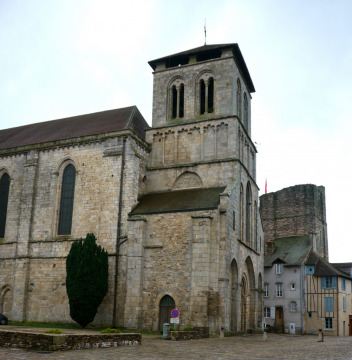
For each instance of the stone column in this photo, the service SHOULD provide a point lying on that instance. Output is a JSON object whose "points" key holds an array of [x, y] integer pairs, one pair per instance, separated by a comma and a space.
{"points": [[135, 265], [26, 209], [201, 235]]}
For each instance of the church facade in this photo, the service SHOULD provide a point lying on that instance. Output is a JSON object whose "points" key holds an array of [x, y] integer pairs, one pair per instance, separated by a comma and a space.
{"points": [[175, 204]]}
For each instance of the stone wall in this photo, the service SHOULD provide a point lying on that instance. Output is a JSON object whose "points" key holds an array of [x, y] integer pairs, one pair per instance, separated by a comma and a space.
{"points": [[297, 210]]}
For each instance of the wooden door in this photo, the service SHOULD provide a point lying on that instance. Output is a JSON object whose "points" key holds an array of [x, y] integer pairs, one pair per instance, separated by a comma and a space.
{"points": [[350, 326], [279, 317], [167, 304]]}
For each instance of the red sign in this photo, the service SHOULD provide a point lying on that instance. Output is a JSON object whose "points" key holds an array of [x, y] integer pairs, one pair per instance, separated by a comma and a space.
{"points": [[175, 313]]}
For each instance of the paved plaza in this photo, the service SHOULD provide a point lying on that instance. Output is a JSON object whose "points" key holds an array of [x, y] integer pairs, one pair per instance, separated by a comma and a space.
{"points": [[239, 347]]}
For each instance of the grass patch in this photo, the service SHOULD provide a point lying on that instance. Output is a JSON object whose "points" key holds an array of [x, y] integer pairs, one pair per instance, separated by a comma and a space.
{"points": [[53, 331], [188, 328]]}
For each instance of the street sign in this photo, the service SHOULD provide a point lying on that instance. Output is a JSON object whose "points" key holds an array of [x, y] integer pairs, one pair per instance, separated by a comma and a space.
{"points": [[175, 320], [175, 313]]}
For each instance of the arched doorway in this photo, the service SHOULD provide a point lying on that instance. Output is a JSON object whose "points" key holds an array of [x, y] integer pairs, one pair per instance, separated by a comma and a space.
{"points": [[167, 303], [244, 292]]}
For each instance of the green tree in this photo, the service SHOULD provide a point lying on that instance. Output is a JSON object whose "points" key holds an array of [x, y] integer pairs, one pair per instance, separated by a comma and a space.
{"points": [[86, 279]]}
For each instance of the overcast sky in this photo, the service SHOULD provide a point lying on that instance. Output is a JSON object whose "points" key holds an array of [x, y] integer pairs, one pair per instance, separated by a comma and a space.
{"points": [[61, 58]]}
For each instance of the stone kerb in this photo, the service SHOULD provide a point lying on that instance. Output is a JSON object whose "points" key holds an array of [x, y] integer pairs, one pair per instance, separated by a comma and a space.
{"points": [[52, 342]]}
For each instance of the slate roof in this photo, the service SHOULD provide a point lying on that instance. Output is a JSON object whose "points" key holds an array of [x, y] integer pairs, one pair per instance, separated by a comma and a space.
{"points": [[207, 50], [76, 126], [290, 250], [178, 201], [323, 267]]}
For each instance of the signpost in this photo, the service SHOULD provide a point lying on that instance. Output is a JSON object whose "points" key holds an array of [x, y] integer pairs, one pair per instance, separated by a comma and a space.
{"points": [[175, 316]]}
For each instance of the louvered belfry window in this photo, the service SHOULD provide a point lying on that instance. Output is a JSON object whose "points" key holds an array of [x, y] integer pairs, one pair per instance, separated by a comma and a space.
{"points": [[4, 197], [66, 202]]}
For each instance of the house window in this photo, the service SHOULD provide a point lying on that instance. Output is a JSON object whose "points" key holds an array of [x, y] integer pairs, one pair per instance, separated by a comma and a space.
{"points": [[4, 197], [293, 286], [329, 304], [344, 304], [328, 282], [278, 268], [310, 314], [293, 306], [278, 289], [328, 323], [267, 312], [66, 202], [343, 284], [266, 290]]}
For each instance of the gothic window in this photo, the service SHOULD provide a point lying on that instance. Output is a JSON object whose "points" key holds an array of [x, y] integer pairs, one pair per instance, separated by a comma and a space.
{"points": [[255, 226], [248, 212], [66, 202], [177, 100], [245, 111], [4, 196], [239, 99], [241, 212], [206, 96]]}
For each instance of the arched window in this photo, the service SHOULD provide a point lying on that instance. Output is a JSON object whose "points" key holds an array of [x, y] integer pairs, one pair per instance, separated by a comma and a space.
{"points": [[206, 96], [177, 100], [245, 111], [239, 99], [66, 202], [248, 212], [4, 197]]}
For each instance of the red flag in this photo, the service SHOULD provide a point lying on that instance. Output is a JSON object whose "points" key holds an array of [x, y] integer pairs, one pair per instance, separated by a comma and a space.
{"points": [[266, 187]]}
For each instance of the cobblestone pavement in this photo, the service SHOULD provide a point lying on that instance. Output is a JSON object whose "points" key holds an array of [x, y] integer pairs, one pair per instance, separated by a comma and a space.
{"points": [[240, 347]]}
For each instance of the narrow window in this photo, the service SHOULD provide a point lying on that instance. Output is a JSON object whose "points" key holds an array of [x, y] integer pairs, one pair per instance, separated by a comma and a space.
{"points": [[211, 95], [278, 290], [344, 304], [267, 312], [239, 99], [66, 202], [248, 213], [343, 284], [182, 101], [310, 314], [202, 97], [328, 323], [278, 268], [241, 212], [266, 290], [174, 102], [245, 111], [233, 220], [4, 197], [293, 306]]}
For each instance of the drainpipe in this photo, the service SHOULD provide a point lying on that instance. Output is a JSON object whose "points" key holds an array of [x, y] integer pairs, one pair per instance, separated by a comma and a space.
{"points": [[118, 236]]}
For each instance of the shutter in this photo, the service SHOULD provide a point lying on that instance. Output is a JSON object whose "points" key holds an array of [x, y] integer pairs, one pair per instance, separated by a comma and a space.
{"points": [[272, 312], [333, 282], [344, 304], [323, 282]]}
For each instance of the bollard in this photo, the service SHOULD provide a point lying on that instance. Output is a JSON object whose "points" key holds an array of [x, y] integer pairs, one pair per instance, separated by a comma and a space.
{"points": [[320, 335], [166, 329], [222, 332], [265, 335]]}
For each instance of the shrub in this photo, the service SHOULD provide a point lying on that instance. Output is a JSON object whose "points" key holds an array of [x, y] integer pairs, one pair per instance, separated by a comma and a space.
{"points": [[188, 328], [110, 331], [86, 279]]}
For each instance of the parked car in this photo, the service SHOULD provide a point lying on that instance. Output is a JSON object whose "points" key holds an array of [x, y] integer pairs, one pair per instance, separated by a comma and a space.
{"points": [[3, 319]]}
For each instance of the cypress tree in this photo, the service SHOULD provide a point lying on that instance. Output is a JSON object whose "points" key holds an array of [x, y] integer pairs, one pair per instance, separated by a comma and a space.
{"points": [[86, 279]]}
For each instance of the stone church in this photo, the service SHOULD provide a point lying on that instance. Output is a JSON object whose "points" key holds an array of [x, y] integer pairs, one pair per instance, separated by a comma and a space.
{"points": [[175, 204]]}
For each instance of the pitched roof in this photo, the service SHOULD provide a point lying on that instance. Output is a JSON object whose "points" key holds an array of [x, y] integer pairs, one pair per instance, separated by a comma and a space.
{"points": [[323, 267], [76, 126], [207, 52], [178, 200], [290, 250]]}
